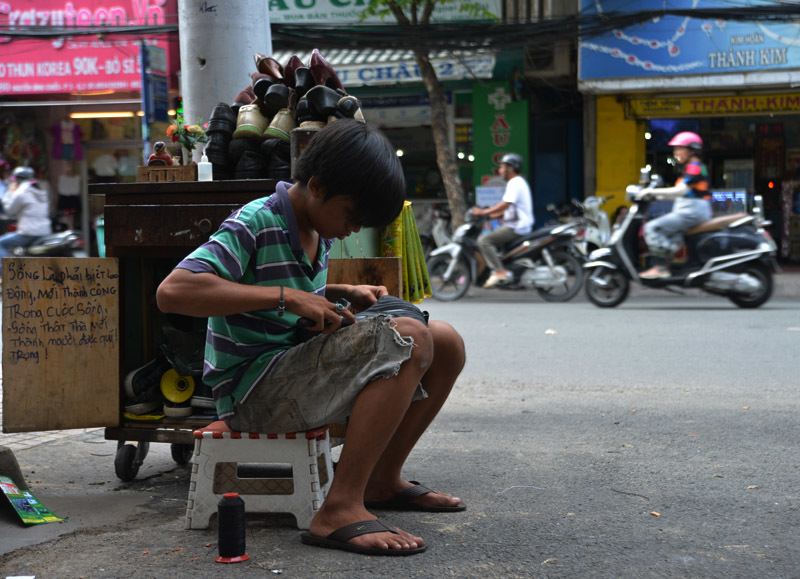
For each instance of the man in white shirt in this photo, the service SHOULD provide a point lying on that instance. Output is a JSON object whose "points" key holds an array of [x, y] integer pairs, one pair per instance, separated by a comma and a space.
{"points": [[516, 209]]}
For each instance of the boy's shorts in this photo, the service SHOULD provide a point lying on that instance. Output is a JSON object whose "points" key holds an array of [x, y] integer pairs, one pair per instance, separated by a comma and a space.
{"points": [[318, 381]]}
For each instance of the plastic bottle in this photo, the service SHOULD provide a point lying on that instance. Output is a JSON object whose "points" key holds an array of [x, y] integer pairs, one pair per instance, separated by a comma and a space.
{"points": [[204, 169]]}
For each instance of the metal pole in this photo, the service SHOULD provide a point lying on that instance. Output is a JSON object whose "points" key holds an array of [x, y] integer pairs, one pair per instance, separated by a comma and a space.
{"points": [[217, 43]]}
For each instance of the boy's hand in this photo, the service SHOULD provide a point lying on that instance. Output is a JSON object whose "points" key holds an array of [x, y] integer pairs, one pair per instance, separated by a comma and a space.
{"points": [[325, 315], [364, 296]]}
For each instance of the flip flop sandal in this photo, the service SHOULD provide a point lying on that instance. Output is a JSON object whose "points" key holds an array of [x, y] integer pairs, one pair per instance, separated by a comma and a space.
{"points": [[338, 539], [402, 501]]}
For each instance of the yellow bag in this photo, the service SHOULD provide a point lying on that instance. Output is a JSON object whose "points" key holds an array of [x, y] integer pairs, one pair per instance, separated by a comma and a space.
{"points": [[401, 239]]}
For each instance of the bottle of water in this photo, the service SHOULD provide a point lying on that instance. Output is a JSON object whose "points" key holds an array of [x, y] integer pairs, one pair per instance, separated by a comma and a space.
{"points": [[204, 169]]}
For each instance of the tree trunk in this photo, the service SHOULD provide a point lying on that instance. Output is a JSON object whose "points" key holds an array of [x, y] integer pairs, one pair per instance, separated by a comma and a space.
{"points": [[445, 159]]}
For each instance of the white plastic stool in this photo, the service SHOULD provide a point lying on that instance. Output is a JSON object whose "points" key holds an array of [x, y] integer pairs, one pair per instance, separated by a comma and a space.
{"points": [[217, 467]]}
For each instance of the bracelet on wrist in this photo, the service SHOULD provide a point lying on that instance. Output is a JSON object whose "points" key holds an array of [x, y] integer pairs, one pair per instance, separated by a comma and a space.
{"points": [[281, 305]]}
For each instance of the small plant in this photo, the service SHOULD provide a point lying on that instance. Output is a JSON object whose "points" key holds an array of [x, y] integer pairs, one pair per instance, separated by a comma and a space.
{"points": [[189, 136]]}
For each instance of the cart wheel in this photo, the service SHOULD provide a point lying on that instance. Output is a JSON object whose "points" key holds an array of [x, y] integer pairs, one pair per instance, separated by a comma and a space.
{"points": [[181, 453], [128, 460]]}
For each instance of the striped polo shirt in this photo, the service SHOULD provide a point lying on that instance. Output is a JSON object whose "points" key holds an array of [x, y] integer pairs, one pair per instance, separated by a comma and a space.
{"points": [[259, 244]]}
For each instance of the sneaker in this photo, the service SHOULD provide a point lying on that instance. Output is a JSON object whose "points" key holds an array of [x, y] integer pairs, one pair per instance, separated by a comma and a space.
{"points": [[143, 379], [250, 123], [177, 409], [202, 396], [656, 272], [143, 387]]}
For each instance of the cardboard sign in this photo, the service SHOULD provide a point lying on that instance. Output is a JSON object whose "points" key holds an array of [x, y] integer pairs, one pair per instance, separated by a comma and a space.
{"points": [[60, 343]]}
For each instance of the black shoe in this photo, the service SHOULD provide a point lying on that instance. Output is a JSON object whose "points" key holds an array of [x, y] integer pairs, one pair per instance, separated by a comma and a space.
{"points": [[261, 86], [276, 98], [220, 126], [218, 159], [272, 145], [237, 147], [323, 101], [223, 112], [252, 165], [303, 111], [279, 169], [218, 143], [303, 80]]}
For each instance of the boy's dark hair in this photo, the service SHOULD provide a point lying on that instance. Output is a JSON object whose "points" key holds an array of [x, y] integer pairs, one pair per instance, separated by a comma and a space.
{"points": [[352, 158]]}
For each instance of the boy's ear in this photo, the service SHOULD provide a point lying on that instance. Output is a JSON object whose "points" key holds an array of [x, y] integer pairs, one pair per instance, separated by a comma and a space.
{"points": [[316, 188]]}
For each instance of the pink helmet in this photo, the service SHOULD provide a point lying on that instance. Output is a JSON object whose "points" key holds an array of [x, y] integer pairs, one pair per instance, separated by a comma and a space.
{"points": [[687, 139]]}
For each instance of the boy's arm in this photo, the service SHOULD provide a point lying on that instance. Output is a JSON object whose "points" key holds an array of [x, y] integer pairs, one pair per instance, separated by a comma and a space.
{"points": [[205, 295]]}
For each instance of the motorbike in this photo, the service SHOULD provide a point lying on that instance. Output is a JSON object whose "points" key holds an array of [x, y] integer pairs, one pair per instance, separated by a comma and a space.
{"points": [[61, 244], [440, 231], [544, 260], [595, 229], [730, 255], [596, 226]]}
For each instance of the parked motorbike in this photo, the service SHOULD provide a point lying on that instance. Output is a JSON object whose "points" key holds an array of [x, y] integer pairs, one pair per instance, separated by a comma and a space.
{"points": [[730, 255], [440, 231], [61, 244], [543, 261], [595, 229]]}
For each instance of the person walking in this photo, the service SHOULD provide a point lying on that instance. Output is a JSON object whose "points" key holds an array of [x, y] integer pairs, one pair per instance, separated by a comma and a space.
{"points": [[516, 209]]}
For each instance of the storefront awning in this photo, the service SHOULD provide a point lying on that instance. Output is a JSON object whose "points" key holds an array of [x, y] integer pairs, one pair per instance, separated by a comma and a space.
{"points": [[367, 67]]}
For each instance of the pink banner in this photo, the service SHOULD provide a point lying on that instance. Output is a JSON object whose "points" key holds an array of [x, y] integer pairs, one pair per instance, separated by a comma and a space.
{"points": [[78, 63]]}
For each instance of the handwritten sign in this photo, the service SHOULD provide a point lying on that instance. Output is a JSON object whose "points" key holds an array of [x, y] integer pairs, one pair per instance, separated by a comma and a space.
{"points": [[60, 343]]}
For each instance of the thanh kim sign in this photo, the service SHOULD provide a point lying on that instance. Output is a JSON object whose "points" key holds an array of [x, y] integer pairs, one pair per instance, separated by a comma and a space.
{"points": [[678, 45]]}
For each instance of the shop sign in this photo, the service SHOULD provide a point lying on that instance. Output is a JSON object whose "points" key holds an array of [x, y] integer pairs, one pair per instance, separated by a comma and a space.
{"points": [[407, 71], [714, 106], [677, 45], [400, 111], [76, 63], [499, 126], [328, 11]]}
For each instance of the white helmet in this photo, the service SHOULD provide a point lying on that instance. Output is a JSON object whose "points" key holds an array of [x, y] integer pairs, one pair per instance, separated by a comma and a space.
{"points": [[23, 174], [512, 159]]}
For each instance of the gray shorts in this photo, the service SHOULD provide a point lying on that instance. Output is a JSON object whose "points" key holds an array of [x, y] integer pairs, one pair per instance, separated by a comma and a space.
{"points": [[318, 381]]}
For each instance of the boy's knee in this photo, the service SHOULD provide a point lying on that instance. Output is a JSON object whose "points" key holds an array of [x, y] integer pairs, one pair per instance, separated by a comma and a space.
{"points": [[422, 352], [448, 343]]}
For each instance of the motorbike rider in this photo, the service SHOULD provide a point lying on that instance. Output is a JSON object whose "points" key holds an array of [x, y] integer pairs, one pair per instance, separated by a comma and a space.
{"points": [[664, 235], [29, 204], [516, 209]]}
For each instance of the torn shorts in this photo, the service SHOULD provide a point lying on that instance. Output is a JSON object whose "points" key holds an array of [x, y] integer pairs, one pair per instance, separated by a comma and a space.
{"points": [[317, 382]]}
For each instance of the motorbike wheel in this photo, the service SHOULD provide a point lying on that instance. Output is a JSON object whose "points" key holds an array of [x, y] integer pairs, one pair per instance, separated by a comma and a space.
{"points": [[572, 285], [614, 290], [457, 286], [758, 298]]}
